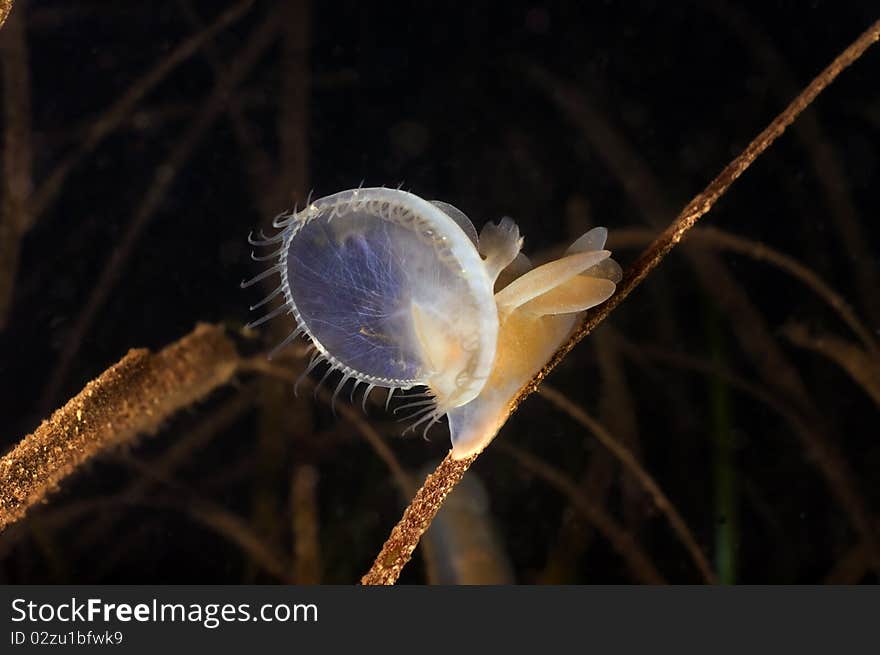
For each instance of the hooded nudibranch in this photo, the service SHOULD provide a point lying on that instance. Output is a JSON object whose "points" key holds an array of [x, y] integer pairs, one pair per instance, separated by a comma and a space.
{"points": [[399, 292]]}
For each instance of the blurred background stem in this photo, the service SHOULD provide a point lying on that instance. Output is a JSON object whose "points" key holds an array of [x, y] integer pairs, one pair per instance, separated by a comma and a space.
{"points": [[726, 492]]}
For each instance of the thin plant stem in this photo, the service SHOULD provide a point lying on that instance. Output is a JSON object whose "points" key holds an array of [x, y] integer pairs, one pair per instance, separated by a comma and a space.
{"points": [[648, 195], [165, 466], [616, 407], [862, 367], [220, 520], [260, 165], [417, 517], [5, 8], [281, 423], [824, 454], [829, 172], [626, 458], [404, 481], [304, 509], [261, 39], [119, 111], [726, 484], [637, 561], [851, 567], [716, 238], [15, 187]]}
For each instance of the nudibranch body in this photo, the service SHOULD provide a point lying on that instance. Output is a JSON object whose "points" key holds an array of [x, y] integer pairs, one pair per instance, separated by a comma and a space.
{"points": [[398, 292]]}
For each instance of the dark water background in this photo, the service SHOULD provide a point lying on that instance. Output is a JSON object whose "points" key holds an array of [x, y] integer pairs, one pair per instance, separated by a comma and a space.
{"points": [[561, 115]]}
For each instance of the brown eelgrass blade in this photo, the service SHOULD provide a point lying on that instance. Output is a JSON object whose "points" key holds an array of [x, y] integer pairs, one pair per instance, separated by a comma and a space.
{"points": [[405, 484], [132, 397], [220, 520], [304, 509], [645, 480], [817, 447], [829, 172], [21, 205], [715, 238], [863, 367], [15, 187], [860, 364], [638, 562], [121, 109], [283, 423], [416, 518], [262, 37], [648, 195], [5, 8], [164, 466], [418, 515], [617, 410], [851, 567], [259, 164]]}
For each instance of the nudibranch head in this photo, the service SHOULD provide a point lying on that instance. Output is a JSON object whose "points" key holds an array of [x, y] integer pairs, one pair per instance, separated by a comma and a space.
{"points": [[391, 291], [395, 291]]}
